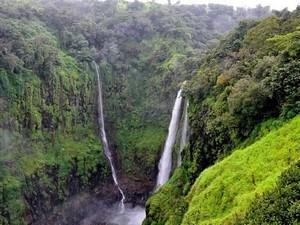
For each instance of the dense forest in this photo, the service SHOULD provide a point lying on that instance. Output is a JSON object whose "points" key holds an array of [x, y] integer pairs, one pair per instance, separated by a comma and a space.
{"points": [[243, 93]]}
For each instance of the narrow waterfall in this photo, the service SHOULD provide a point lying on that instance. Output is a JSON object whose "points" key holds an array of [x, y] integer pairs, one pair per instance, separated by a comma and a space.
{"points": [[183, 133], [165, 163], [104, 139]]}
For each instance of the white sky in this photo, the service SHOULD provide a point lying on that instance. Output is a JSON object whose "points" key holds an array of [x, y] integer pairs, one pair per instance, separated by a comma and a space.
{"points": [[275, 4]]}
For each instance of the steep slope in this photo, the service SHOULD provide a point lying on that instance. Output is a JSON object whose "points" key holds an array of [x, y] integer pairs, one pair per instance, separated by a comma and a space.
{"points": [[49, 147], [224, 191], [280, 205]]}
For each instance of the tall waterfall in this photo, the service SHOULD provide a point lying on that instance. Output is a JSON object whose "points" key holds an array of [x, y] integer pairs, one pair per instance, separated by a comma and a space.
{"points": [[183, 133], [104, 138], [165, 163]]}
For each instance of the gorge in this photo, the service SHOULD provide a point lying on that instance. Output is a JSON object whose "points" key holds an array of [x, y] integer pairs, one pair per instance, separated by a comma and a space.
{"points": [[129, 113], [136, 215]]}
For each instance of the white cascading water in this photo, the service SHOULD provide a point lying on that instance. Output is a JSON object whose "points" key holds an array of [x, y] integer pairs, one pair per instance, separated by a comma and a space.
{"points": [[104, 139], [183, 133], [165, 163]]}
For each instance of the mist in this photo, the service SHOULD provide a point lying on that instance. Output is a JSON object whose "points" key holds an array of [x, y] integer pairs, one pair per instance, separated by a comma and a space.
{"points": [[88, 209]]}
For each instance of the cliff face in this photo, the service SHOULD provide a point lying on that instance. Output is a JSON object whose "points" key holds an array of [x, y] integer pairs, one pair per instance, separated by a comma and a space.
{"points": [[49, 144]]}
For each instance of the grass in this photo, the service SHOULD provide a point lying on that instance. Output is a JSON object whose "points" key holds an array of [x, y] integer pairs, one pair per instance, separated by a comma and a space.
{"points": [[226, 189], [167, 206]]}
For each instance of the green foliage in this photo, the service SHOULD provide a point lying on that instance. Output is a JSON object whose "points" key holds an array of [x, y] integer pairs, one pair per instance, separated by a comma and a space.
{"points": [[143, 59], [280, 205], [237, 87], [225, 190], [256, 38], [234, 40], [247, 101], [48, 92], [45, 95], [261, 130], [288, 44], [249, 79], [12, 206], [47, 175], [285, 79], [284, 83], [140, 149], [168, 206]]}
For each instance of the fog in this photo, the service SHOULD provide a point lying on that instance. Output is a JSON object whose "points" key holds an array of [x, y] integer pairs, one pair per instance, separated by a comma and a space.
{"points": [[131, 216], [87, 209], [278, 5]]}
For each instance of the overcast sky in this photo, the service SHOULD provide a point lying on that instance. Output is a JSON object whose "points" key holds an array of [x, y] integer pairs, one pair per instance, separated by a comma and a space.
{"points": [[275, 4]]}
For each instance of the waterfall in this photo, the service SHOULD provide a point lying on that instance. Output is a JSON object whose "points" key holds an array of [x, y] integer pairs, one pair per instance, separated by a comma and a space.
{"points": [[165, 163], [183, 133], [104, 138]]}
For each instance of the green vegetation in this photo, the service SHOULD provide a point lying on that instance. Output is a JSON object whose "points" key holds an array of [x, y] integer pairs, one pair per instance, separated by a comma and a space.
{"points": [[246, 88], [223, 193], [141, 149], [49, 144], [146, 52], [168, 206], [49, 147], [238, 87], [225, 190], [280, 205], [44, 174], [48, 140]]}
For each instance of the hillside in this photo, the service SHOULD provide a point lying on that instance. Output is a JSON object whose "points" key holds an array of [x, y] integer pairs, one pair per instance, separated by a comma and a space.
{"points": [[246, 87], [223, 192]]}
